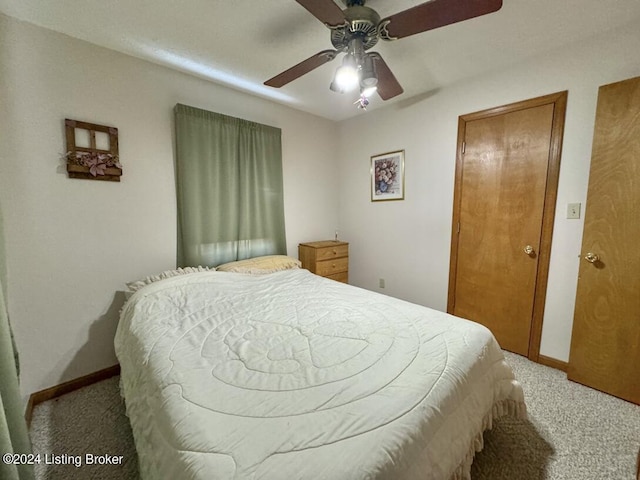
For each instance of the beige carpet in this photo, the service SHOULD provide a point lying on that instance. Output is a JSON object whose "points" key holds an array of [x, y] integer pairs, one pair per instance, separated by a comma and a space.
{"points": [[573, 433]]}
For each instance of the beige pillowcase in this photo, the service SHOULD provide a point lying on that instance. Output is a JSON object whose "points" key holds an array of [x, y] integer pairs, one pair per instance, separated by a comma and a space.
{"points": [[259, 265]]}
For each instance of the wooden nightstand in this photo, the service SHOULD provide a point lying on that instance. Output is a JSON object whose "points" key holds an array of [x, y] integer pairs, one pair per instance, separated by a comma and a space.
{"points": [[327, 258]]}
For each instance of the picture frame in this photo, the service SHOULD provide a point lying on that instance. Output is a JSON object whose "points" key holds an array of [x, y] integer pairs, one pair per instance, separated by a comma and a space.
{"points": [[387, 176]]}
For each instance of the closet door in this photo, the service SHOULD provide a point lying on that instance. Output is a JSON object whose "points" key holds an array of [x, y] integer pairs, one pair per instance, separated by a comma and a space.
{"points": [[504, 198], [605, 344]]}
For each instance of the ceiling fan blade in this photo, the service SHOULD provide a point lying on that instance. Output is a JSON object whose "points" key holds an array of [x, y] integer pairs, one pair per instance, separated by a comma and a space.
{"points": [[434, 14], [324, 10], [388, 86], [300, 69]]}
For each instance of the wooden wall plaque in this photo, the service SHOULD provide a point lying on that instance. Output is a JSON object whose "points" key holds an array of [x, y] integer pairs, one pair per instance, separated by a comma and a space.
{"points": [[88, 160]]}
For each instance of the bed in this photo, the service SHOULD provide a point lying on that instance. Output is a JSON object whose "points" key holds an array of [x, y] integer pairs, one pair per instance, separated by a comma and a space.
{"points": [[289, 375]]}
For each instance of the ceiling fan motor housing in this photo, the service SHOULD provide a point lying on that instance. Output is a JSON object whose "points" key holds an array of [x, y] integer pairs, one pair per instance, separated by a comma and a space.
{"points": [[362, 22]]}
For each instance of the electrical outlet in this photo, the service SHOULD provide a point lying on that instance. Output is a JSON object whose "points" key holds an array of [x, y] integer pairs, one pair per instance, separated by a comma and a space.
{"points": [[381, 282], [573, 210]]}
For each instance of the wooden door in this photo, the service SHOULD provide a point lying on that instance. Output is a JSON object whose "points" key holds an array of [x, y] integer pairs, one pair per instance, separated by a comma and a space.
{"points": [[605, 343], [506, 181]]}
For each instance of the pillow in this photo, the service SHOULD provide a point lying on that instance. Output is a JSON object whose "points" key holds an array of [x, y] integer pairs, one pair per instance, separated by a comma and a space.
{"points": [[133, 286], [259, 265]]}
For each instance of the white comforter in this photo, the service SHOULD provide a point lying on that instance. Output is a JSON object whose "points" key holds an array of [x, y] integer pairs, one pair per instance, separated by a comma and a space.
{"points": [[293, 376]]}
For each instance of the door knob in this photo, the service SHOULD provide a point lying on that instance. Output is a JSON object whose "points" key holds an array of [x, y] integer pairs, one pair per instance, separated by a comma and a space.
{"points": [[529, 250], [591, 257]]}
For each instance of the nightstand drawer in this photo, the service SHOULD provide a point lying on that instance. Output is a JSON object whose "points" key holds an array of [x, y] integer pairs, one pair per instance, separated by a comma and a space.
{"points": [[339, 277], [337, 251], [330, 267]]}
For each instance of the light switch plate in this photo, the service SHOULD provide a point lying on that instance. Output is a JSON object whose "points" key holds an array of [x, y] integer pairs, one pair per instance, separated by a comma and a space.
{"points": [[573, 210]]}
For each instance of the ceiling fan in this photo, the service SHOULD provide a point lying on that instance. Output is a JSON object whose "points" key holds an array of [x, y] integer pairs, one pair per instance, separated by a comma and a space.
{"points": [[358, 29]]}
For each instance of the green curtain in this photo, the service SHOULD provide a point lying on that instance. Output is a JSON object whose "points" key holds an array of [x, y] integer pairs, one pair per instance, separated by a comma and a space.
{"points": [[229, 187], [13, 430]]}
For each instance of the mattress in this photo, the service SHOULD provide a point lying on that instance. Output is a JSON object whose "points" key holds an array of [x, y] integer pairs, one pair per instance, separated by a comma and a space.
{"points": [[293, 376]]}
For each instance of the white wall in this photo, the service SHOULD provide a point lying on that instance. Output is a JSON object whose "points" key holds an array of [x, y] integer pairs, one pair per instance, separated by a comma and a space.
{"points": [[407, 242], [72, 244]]}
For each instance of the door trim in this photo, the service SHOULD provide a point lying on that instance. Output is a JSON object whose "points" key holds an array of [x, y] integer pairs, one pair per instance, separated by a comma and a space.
{"points": [[559, 102]]}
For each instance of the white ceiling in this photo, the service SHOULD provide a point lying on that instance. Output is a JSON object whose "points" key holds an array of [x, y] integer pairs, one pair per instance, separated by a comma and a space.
{"points": [[242, 43]]}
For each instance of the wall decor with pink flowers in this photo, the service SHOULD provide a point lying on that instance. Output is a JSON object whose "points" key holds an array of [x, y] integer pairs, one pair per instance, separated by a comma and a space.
{"points": [[387, 176], [92, 151]]}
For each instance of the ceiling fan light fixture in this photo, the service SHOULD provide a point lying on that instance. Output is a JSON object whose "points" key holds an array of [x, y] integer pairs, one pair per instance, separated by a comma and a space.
{"points": [[346, 77], [334, 87], [368, 76], [368, 91], [367, 82]]}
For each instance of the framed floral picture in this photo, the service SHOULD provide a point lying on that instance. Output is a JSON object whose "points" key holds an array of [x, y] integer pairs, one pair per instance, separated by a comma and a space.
{"points": [[387, 176]]}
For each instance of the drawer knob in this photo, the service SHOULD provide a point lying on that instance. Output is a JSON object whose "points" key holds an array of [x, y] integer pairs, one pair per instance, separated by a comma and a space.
{"points": [[334, 265], [335, 252]]}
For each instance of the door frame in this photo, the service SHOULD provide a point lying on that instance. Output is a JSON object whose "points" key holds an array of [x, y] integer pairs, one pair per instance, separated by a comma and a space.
{"points": [[559, 102]]}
